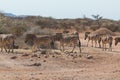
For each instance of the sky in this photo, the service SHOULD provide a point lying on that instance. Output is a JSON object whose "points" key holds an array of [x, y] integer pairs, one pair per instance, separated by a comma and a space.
{"points": [[63, 8]]}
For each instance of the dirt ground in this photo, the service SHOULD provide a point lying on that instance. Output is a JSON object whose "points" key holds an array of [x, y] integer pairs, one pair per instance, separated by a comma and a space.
{"points": [[91, 64]]}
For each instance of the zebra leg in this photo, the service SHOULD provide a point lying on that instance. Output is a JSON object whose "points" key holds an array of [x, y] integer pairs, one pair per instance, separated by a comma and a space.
{"points": [[38, 47], [73, 48], [6, 49], [99, 42], [9, 50], [60, 47], [95, 43], [99, 45], [33, 48], [52, 46], [80, 46], [110, 46], [63, 48], [103, 46], [1, 49], [12, 50], [92, 43], [12, 46], [88, 43]]}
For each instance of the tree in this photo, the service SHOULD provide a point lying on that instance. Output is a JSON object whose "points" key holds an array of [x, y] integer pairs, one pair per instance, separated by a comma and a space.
{"points": [[98, 19]]}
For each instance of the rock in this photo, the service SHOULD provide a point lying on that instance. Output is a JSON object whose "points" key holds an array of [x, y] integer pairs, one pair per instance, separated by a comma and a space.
{"points": [[25, 54], [34, 55], [44, 60], [89, 57], [36, 64], [53, 56], [43, 52], [80, 55], [46, 56], [14, 57]]}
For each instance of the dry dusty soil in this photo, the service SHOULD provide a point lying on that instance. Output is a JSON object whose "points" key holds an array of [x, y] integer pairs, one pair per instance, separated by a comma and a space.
{"points": [[91, 64]]}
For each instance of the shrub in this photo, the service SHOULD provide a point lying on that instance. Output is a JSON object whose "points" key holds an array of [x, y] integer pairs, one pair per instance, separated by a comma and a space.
{"points": [[3, 30], [43, 32], [18, 31], [114, 28], [94, 28]]}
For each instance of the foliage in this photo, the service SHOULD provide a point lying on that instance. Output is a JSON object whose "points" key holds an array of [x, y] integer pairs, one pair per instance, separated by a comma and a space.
{"points": [[94, 28], [18, 31], [114, 28], [3, 30], [98, 19]]}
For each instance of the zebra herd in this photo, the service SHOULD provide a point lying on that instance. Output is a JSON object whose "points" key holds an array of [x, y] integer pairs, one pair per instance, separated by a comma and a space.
{"points": [[49, 40], [102, 38], [7, 41]]}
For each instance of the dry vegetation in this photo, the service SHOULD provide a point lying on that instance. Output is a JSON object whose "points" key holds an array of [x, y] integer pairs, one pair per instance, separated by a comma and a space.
{"points": [[91, 64], [20, 25]]}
